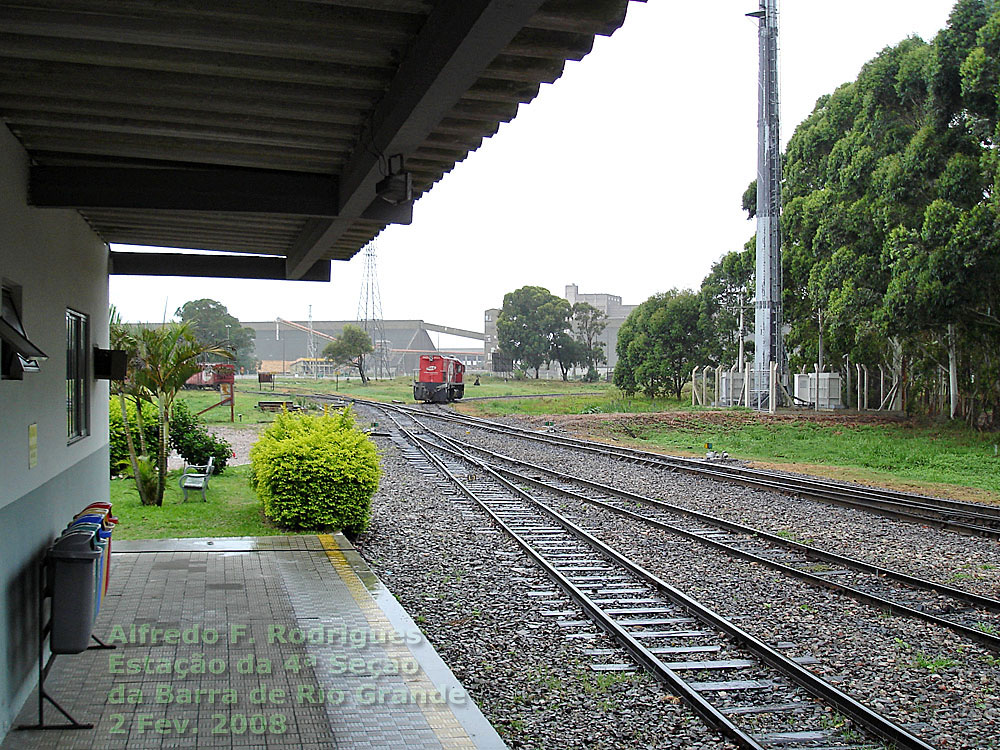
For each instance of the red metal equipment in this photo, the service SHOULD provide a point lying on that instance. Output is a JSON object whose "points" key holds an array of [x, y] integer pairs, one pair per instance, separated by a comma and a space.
{"points": [[217, 376], [212, 375]]}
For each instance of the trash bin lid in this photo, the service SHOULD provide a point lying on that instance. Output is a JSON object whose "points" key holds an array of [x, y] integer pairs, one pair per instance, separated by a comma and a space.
{"points": [[97, 514], [74, 535], [100, 509], [88, 518], [77, 544], [100, 520]]}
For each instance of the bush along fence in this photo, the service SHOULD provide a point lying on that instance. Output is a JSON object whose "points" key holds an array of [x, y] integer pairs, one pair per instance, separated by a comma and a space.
{"points": [[188, 436], [315, 472], [853, 387]]}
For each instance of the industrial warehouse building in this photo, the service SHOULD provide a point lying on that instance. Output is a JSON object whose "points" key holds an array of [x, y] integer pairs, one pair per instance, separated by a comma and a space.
{"points": [[283, 346], [260, 129]]}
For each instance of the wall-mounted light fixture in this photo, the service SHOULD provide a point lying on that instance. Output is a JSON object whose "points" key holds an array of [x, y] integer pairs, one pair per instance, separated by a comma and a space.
{"points": [[17, 354], [397, 186]]}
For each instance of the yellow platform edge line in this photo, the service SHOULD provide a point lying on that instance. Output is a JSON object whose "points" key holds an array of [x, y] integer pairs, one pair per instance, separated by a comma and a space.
{"points": [[441, 719]]}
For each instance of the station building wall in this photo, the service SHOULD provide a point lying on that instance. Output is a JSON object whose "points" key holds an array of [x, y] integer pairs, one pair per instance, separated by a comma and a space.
{"points": [[58, 263]]}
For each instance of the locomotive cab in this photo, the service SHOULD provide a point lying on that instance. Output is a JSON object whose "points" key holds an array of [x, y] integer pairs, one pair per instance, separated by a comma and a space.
{"points": [[439, 379]]}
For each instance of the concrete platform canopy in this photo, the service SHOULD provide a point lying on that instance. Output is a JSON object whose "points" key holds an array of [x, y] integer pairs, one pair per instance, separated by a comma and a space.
{"points": [[265, 126]]}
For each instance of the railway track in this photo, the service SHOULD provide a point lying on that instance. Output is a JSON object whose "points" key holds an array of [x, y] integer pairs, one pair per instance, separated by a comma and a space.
{"points": [[749, 691], [973, 616], [951, 515]]}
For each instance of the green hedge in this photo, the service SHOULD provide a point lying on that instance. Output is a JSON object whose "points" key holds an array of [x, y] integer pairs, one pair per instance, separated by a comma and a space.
{"points": [[119, 445], [194, 443], [314, 472]]}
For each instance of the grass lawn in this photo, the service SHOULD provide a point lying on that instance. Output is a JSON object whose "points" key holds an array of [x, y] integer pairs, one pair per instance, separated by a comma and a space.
{"points": [[400, 389], [246, 406], [606, 399], [232, 510], [931, 458]]}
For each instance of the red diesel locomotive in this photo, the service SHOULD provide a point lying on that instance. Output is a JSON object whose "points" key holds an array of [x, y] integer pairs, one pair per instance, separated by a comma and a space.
{"points": [[439, 379]]}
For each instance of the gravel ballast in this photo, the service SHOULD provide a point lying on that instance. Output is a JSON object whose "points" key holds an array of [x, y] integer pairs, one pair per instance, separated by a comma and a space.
{"points": [[969, 563], [468, 591], [512, 658]]}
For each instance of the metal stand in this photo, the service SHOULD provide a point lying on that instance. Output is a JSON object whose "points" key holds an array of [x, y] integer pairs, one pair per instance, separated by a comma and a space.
{"points": [[45, 665]]}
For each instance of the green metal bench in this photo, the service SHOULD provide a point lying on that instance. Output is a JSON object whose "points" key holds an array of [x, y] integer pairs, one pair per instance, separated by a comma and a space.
{"points": [[197, 478]]}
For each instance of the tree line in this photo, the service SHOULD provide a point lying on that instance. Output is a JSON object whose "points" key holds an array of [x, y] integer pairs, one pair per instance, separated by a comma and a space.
{"points": [[891, 253], [891, 217], [536, 328]]}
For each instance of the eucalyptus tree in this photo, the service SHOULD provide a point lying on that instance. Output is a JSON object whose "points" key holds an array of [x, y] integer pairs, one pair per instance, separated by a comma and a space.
{"points": [[568, 352], [531, 327], [350, 348], [891, 215], [726, 292], [589, 323], [212, 325], [659, 343]]}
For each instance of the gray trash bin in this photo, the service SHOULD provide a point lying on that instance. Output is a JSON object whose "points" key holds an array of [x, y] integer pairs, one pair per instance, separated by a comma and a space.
{"points": [[73, 569]]}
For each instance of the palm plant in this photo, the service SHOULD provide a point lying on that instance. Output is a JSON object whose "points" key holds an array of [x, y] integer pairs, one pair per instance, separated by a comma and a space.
{"points": [[166, 357], [122, 337]]}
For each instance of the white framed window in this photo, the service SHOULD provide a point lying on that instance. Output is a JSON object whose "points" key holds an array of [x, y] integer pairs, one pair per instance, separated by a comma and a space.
{"points": [[77, 367]]}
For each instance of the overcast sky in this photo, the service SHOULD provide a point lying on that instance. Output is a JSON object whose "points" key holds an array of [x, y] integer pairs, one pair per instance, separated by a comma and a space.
{"points": [[623, 177]]}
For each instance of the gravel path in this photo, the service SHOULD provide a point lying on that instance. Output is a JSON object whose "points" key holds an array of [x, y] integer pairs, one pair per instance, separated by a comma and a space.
{"points": [[240, 437], [470, 596]]}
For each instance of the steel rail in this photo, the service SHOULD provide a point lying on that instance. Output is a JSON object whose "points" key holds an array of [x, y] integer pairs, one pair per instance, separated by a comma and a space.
{"points": [[979, 636], [709, 713], [986, 511], [808, 549], [871, 501], [876, 724], [984, 638]]}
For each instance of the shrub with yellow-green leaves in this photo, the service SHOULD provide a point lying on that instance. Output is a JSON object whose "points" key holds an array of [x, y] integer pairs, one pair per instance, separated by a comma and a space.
{"points": [[314, 472]]}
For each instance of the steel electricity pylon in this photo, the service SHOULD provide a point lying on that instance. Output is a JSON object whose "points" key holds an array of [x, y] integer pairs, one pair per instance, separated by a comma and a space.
{"points": [[370, 316]]}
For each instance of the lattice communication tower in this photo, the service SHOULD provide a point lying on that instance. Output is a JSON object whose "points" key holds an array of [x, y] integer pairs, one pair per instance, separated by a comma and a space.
{"points": [[311, 345], [370, 316]]}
